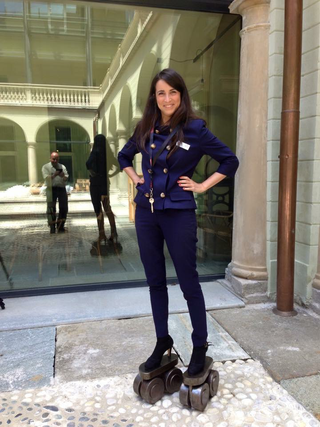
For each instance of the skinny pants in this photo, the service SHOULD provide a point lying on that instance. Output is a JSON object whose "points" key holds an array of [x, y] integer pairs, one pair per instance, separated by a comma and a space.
{"points": [[54, 194], [178, 228]]}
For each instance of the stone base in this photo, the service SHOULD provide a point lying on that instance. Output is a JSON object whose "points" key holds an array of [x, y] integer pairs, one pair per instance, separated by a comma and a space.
{"points": [[315, 304], [250, 291]]}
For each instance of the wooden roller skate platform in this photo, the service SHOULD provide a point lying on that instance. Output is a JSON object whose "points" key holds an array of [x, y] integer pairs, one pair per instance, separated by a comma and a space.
{"points": [[151, 385], [199, 378], [167, 363], [197, 390]]}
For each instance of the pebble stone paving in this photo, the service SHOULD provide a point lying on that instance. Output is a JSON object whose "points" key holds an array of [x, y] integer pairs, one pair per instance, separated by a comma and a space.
{"points": [[247, 397]]}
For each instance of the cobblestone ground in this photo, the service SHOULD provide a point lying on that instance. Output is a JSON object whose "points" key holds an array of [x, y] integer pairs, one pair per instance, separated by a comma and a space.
{"points": [[247, 397]]}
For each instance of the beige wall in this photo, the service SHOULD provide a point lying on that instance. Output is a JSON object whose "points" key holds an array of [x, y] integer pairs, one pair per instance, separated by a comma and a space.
{"points": [[308, 194]]}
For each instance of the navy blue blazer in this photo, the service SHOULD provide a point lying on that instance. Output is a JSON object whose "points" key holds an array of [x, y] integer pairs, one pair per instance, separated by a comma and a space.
{"points": [[166, 172]]}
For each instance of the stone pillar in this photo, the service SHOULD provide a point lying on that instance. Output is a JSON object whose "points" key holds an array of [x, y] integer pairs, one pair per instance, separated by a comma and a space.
{"points": [[247, 272], [32, 163], [316, 285], [111, 141], [138, 157], [123, 179], [114, 181]]}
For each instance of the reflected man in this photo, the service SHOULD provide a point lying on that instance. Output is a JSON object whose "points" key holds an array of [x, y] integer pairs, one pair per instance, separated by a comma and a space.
{"points": [[55, 175]]}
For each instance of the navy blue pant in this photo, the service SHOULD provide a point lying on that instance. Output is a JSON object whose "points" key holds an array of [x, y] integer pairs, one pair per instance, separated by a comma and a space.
{"points": [[178, 227]]}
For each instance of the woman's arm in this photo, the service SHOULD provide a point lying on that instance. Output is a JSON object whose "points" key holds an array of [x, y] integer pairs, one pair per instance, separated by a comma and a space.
{"points": [[212, 146], [189, 185], [132, 174]]}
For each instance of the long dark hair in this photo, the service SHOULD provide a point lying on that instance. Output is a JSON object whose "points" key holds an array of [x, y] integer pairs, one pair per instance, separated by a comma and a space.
{"points": [[152, 113], [99, 143]]}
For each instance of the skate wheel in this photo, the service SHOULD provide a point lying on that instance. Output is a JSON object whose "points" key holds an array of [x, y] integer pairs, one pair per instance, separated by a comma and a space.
{"points": [[213, 382], [184, 395], [172, 380], [136, 384], [152, 391], [199, 397]]}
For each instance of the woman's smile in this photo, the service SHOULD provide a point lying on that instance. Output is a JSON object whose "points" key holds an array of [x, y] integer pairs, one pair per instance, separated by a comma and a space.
{"points": [[168, 100]]}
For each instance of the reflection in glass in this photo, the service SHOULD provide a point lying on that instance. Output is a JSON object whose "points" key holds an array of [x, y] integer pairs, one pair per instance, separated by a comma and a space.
{"points": [[70, 71], [97, 164]]}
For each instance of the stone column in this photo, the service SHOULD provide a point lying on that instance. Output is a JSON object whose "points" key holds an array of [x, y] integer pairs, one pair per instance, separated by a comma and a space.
{"points": [[114, 181], [111, 141], [123, 179], [247, 272], [32, 163], [316, 285], [138, 157]]}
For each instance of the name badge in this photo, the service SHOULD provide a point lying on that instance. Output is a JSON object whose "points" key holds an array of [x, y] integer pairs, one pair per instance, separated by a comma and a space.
{"points": [[183, 145]]}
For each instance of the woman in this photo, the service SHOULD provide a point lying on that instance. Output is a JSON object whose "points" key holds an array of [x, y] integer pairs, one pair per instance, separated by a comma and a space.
{"points": [[172, 140], [99, 185]]}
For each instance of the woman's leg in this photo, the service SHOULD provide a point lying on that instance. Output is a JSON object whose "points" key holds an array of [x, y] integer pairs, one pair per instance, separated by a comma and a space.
{"points": [[107, 208], [95, 195], [96, 202], [151, 241], [180, 232]]}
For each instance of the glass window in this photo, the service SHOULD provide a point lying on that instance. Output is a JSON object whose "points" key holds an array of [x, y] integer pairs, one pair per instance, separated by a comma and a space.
{"points": [[56, 10], [70, 70], [39, 9], [14, 8], [63, 134], [71, 9]]}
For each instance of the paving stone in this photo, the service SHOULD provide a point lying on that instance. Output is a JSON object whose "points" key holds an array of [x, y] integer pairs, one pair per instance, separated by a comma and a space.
{"points": [[48, 310], [306, 391], [288, 347], [26, 358], [99, 349], [223, 347]]}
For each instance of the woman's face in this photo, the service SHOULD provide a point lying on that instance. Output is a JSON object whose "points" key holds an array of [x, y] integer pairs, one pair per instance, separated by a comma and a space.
{"points": [[168, 100]]}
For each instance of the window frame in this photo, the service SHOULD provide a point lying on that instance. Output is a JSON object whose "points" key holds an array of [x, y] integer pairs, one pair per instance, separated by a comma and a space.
{"points": [[211, 6]]}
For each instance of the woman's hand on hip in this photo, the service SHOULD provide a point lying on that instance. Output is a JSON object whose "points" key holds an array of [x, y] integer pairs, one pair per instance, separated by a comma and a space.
{"points": [[189, 185], [139, 181], [132, 174]]}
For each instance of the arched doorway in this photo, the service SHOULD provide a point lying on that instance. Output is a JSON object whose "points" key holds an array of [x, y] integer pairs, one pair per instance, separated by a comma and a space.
{"points": [[13, 152], [70, 140]]}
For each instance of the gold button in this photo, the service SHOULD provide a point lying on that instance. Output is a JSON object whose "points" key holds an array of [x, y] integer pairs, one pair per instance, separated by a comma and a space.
{"points": [[162, 195], [147, 194], [150, 171], [168, 147], [157, 131], [170, 130], [153, 146], [165, 170]]}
